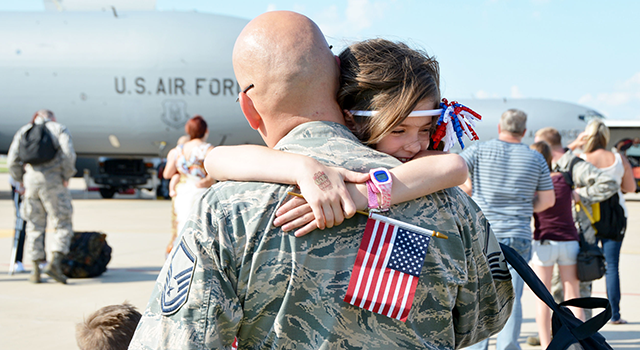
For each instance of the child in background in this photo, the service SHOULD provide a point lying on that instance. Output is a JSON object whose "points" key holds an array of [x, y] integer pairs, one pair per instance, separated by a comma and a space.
{"points": [[109, 328], [555, 241], [390, 95]]}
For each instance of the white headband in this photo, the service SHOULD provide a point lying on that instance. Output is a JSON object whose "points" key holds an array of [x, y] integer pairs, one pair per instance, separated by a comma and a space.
{"points": [[422, 113]]}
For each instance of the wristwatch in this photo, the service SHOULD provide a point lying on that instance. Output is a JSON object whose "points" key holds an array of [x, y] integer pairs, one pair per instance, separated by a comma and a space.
{"points": [[380, 182]]}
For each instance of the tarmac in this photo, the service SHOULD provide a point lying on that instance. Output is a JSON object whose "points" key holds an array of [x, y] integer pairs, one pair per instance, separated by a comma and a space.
{"points": [[138, 228]]}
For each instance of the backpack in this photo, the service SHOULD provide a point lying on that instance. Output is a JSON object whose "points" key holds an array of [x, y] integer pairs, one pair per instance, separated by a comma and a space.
{"points": [[37, 145], [608, 218], [88, 255]]}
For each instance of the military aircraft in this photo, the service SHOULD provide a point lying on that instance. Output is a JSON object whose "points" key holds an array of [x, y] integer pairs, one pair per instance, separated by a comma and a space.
{"points": [[125, 83]]}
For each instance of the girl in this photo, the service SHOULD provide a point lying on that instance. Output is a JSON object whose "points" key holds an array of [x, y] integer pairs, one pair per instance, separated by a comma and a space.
{"points": [[555, 241], [390, 95], [188, 160]]}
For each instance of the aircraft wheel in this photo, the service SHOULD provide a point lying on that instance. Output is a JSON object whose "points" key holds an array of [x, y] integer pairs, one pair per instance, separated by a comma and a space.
{"points": [[107, 192]]}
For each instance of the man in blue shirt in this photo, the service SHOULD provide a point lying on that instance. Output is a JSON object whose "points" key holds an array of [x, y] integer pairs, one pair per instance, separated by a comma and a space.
{"points": [[509, 182]]}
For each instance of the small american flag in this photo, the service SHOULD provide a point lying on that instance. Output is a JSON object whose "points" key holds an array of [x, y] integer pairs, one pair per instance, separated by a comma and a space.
{"points": [[387, 267]]}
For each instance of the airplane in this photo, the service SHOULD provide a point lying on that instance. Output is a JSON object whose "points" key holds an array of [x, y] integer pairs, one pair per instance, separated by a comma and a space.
{"points": [[125, 83]]}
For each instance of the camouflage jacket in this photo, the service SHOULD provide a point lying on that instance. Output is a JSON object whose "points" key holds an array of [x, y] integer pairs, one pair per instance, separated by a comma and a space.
{"points": [[591, 184], [235, 275], [63, 165]]}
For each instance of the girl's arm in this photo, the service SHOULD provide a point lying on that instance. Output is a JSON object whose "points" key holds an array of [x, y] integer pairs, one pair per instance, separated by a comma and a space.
{"points": [[628, 181], [208, 180], [429, 172], [170, 167], [322, 186]]}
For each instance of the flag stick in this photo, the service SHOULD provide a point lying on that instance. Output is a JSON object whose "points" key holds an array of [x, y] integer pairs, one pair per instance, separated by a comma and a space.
{"points": [[384, 218]]}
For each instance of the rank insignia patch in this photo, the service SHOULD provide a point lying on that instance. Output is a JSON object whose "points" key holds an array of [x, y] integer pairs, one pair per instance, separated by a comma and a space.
{"points": [[179, 277]]}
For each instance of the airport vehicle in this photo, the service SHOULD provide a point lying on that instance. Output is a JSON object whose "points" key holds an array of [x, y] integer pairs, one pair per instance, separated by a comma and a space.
{"points": [[125, 83]]}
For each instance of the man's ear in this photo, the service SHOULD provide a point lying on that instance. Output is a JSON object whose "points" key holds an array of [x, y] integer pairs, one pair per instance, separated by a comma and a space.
{"points": [[349, 121], [249, 111]]}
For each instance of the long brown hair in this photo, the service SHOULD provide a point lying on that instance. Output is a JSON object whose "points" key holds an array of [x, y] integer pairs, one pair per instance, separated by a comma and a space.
{"points": [[388, 77]]}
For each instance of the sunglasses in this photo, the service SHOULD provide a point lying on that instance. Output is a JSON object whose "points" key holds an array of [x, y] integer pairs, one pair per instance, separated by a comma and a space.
{"points": [[245, 91]]}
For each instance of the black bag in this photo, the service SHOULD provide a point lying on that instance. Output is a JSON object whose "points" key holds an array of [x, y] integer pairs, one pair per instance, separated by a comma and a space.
{"points": [[565, 327], [37, 145], [88, 255], [591, 263], [609, 219]]}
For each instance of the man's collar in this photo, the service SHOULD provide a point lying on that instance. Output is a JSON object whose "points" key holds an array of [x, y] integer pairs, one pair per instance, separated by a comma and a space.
{"points": [[317, 129]]}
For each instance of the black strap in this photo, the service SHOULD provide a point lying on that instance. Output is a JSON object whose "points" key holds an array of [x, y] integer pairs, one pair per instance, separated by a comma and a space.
{"points": [[568, 175], [566, 328]]}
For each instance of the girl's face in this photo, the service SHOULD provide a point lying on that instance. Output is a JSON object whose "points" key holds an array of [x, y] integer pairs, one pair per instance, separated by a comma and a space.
{"points": [[410, 137]]}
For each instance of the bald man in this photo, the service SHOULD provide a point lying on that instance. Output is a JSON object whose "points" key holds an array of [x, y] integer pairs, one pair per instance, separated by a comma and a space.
{"points": [[234, 276]]}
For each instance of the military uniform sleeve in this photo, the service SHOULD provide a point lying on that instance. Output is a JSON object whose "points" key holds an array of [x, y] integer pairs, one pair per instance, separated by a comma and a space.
{"points": [[194, 303], [16, 169], [483, 304], [592, 184], [68, 152]]}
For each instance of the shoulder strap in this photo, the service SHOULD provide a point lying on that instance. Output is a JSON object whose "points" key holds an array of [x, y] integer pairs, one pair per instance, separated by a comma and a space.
{"points": [[567, 329], [572, 163]]}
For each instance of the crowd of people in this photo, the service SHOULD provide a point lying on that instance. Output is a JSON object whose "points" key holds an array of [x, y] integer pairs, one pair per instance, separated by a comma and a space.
{"points": [[333, 125]]}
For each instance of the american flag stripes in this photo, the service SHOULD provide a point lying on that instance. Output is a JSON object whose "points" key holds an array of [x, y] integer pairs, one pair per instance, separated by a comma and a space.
{"points": [[387, 267]]}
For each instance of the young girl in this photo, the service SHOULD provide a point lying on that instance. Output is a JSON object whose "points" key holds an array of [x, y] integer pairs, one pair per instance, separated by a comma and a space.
{"points": [[390, 95], [555, 241]]}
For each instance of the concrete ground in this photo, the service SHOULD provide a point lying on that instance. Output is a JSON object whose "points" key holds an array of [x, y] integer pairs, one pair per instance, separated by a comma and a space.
{"points": [[138, 228]]}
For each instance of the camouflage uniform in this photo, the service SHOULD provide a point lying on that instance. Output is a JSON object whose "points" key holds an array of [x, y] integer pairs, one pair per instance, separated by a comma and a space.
{"points": [[593, 186], [45, 195], [273, 290]]}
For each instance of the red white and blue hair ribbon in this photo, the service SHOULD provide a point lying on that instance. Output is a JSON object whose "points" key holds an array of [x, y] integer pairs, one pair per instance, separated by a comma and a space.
{"points": [[455, 121]]}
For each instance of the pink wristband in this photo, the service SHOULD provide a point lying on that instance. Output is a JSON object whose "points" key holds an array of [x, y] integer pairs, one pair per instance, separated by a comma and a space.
{"points": [[372, 194]]}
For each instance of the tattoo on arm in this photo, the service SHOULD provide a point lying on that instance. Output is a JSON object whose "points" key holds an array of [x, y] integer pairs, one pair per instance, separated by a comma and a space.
{"points": [[322, 180]]}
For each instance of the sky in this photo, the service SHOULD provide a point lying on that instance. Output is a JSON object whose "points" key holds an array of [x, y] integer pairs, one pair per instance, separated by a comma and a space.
{"points": [[585, 52]]}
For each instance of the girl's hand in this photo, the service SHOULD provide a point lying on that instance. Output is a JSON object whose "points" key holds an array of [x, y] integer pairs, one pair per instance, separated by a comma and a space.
{"points": [[296, 213], [327, 199]]}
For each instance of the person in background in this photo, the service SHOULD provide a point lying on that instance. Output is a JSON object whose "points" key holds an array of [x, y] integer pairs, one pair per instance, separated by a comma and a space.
{"points": [[509, 182], [188, 162], [46, 194], [175, 180], [555, 241], [17, 191], [109, 328], [590, 185], [593, 142]]}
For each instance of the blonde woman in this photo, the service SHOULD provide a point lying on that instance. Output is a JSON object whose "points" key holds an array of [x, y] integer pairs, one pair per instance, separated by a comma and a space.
{"points": [[593, 142]]}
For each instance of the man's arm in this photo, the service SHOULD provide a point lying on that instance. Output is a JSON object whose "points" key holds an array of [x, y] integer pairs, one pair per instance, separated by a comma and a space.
{"points": [[467, 186], [16, 169], [543, 200], [485, 303], [591, 183], [194, 304], [69, 154]]}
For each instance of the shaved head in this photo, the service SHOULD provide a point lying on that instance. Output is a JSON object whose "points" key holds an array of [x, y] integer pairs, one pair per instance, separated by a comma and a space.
{"points": [[287, 59]]}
